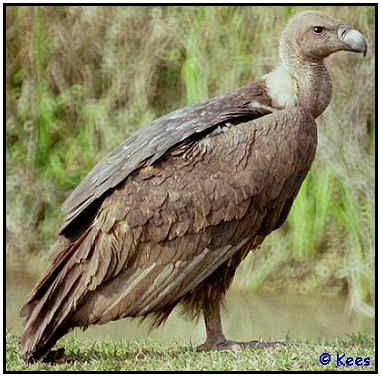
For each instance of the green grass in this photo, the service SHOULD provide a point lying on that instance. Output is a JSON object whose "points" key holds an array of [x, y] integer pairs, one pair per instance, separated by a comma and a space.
{"points": [[309, 214], [70, 101], [150, 356]]}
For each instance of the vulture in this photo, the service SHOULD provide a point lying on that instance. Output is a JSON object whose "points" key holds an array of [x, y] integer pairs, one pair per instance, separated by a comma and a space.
{"points": [[166, 217]]}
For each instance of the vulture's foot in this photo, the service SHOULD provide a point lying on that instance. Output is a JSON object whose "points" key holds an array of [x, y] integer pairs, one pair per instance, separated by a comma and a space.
{"points": [[215, 338], [58, 357], [54, 355], [231, 345]]}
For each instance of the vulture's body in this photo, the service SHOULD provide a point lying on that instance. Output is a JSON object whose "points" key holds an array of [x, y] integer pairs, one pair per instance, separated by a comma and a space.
{"points": [[167, 217]]}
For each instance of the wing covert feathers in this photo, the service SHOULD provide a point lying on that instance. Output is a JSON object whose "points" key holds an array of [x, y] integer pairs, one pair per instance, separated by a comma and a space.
{"points": [[151, 142]]}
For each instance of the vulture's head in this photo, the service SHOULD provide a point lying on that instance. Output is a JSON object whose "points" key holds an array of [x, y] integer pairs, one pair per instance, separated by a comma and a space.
{"points": [[311, 36]]}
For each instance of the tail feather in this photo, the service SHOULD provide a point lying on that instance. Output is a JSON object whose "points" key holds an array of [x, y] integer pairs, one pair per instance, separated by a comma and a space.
{"points": [[55, 297]]}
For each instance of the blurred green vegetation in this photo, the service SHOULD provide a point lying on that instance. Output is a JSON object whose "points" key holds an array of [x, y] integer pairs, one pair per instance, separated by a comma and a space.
{"points": [[80, 79]]}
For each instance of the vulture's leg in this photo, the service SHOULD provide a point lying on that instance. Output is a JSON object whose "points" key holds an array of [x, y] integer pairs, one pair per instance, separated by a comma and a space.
{"points": [[215, 338], [213, 325]]}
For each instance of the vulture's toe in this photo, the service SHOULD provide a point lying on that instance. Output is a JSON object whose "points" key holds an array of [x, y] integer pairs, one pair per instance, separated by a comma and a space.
{"points": [[231, 345]]}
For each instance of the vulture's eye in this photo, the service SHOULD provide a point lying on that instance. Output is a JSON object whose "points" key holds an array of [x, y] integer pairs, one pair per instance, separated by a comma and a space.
{"points": [[318, 29]]}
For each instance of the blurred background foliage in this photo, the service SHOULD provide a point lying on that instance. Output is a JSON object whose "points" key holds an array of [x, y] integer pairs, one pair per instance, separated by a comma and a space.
{"points": [[81, 79]]}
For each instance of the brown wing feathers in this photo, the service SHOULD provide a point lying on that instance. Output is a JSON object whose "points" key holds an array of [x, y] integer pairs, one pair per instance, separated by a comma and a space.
{"points": [[151, 142]]}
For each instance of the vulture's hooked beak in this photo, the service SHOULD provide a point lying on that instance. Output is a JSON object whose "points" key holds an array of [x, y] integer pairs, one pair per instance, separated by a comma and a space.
{"points": [[352, 38]]}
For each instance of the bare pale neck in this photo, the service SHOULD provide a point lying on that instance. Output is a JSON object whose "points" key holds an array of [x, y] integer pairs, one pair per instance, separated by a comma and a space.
{"points": [[314, 85]]}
